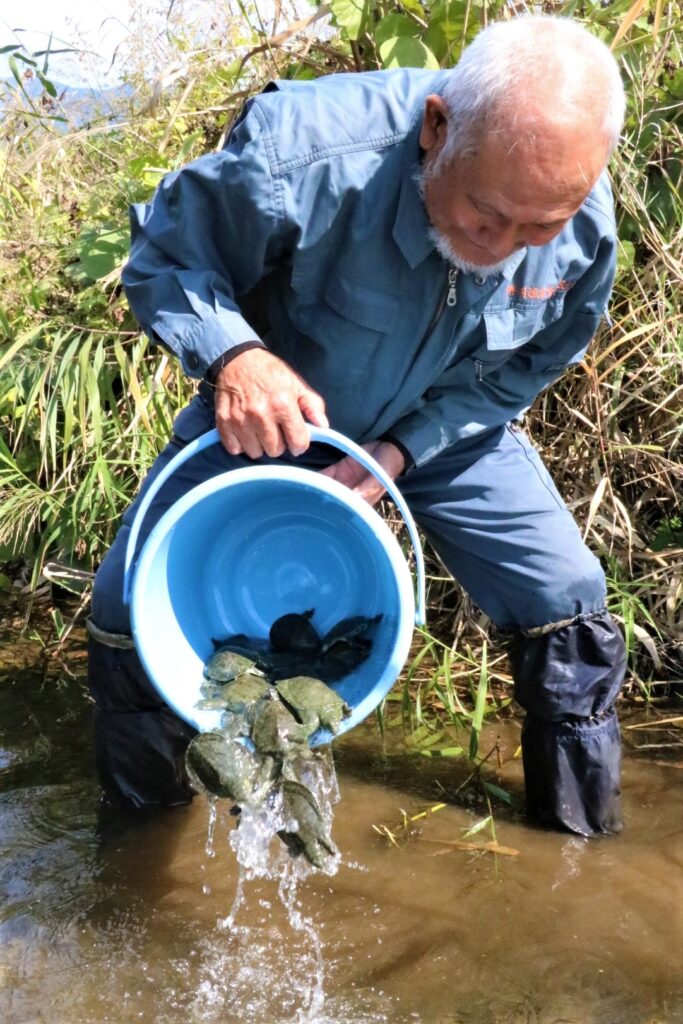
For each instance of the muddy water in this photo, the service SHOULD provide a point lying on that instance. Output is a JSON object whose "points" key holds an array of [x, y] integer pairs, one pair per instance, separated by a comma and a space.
{"points": [[122, 921]]}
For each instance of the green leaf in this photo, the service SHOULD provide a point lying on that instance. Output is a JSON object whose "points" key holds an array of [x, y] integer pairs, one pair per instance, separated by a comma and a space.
{"points": [[100, 250], [46, 84], [675, 85], [184, 151], [26, 60], [478, 827], [393, 26], [479, 705], [407, 52], [626, 255], [152, 175], [499, 792], [58, 621], [443, 752], [351, 15]]}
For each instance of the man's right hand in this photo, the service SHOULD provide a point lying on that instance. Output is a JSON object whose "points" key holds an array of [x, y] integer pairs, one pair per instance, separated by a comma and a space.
{"points": [[262, 406]]}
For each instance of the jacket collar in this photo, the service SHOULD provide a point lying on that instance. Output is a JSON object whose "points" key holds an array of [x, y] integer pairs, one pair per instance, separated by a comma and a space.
{"points": [[411, 226]]}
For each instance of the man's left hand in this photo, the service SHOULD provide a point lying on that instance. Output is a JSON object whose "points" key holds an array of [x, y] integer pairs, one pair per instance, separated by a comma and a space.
{"points": [[349, 472]]}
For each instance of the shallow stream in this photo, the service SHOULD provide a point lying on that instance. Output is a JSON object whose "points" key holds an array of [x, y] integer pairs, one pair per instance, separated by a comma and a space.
{"points": [[122, 921]]}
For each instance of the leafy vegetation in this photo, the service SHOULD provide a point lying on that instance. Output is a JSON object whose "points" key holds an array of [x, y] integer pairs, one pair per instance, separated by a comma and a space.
{"points": [[86, 403]]}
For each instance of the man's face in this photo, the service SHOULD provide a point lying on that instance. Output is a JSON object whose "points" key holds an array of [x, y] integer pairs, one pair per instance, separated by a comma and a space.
{"points": [[506, 195]]}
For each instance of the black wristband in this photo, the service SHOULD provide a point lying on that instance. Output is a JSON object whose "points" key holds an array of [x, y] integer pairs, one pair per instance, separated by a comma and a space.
{"points": [[218, 364], [407, 457]]}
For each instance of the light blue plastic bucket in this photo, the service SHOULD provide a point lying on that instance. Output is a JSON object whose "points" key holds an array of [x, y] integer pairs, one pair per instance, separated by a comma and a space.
{"points": [[247, 546]]}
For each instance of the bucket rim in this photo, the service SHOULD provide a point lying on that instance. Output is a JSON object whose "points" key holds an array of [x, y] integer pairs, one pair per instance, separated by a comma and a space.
{"points": [[204, 719]]}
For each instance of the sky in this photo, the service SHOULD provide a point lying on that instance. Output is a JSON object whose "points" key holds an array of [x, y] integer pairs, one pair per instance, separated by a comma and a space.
{"points": [[99, 24]]}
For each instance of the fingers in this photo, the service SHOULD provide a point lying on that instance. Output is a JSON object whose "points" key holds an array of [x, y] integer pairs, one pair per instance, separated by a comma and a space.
{"points": [[350, 473], [250, 442], [260, 406], [370, 490], [312, 406], [347, 471], [253, 435]]}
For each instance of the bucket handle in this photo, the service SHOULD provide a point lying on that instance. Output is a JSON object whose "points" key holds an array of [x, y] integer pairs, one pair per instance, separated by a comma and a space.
{"points": [[319, 434]]}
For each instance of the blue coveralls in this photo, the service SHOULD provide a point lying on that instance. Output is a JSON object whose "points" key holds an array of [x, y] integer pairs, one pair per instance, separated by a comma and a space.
{"points": [[307, 233]]}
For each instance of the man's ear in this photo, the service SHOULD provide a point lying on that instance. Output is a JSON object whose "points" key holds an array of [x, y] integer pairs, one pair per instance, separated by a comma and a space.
{"points": [[434, 123]]}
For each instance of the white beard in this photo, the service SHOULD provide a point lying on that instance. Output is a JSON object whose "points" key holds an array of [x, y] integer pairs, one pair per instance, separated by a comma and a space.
{"points": [[447, 252], [445, 248]]}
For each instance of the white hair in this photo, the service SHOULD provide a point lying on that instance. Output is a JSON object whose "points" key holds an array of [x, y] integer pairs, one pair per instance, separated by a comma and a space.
{"points": [[533, 59]]}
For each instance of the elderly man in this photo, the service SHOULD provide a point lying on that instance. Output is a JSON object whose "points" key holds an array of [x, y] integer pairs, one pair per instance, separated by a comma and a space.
{"points": [[412, 257]]}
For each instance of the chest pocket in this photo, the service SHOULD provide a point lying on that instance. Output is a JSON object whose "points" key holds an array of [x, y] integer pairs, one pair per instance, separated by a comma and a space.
{"points": [[363, 305], [509, 328], [345, 322]]}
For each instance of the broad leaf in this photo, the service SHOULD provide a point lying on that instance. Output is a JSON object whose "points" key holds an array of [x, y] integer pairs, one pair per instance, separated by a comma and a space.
{"points": [[99, 251], [393, 26], [351, 15], [406, 52]]}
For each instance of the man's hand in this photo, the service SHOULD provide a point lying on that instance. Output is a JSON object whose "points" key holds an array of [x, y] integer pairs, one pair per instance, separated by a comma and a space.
{"points": [[262, 406], [348, 471]]}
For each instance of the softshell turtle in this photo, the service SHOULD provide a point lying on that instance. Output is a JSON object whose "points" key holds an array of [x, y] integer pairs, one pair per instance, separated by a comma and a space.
{"points": [[274, 728], [350, 631], [225, 665], [251, 646], [244, 692], [227, 768], [284, 664], [239, 695], [313, 703], [341, 660], [295, 632], [311, 837]]}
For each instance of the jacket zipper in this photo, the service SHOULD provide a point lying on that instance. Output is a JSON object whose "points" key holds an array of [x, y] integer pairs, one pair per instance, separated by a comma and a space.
{"points": [[452, 296], [448, 297]]}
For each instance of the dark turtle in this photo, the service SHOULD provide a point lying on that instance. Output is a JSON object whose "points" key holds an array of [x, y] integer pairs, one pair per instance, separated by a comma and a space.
{"points": [[295, 632], [350, 630], [223, 766], [313, 703], [251, 646], [274, 729], [340, 660], [311, 836], [284, 664], [225, 665]]}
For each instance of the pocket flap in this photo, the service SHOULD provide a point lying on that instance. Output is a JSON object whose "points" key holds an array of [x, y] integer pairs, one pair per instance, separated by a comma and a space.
{"points": [[509, 328], [363, 304]]}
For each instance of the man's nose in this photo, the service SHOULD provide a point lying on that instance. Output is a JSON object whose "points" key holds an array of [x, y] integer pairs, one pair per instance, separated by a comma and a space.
{"points": [[501, 239]]}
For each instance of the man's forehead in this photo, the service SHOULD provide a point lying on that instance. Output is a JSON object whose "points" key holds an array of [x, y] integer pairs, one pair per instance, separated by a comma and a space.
{"points": [[547, 207], [535, 179]]}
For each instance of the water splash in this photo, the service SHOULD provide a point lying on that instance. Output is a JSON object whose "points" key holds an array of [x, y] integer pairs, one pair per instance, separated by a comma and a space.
{"points": [[210, 848], [268, 972]]}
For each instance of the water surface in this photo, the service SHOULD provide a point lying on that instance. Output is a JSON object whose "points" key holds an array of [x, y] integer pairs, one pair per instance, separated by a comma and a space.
{"points": [[125, 920]]}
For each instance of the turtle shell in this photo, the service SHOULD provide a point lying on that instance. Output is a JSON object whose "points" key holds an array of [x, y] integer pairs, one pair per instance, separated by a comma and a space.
{"points": [[342, 659], [228, 769], [224, 665], [295, 632], [313, 702], [243, 692], [351, 630]]}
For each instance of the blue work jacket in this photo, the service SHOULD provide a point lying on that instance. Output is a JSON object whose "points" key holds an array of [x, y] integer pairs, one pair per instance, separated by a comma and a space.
{"points": [[308, 231]]}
